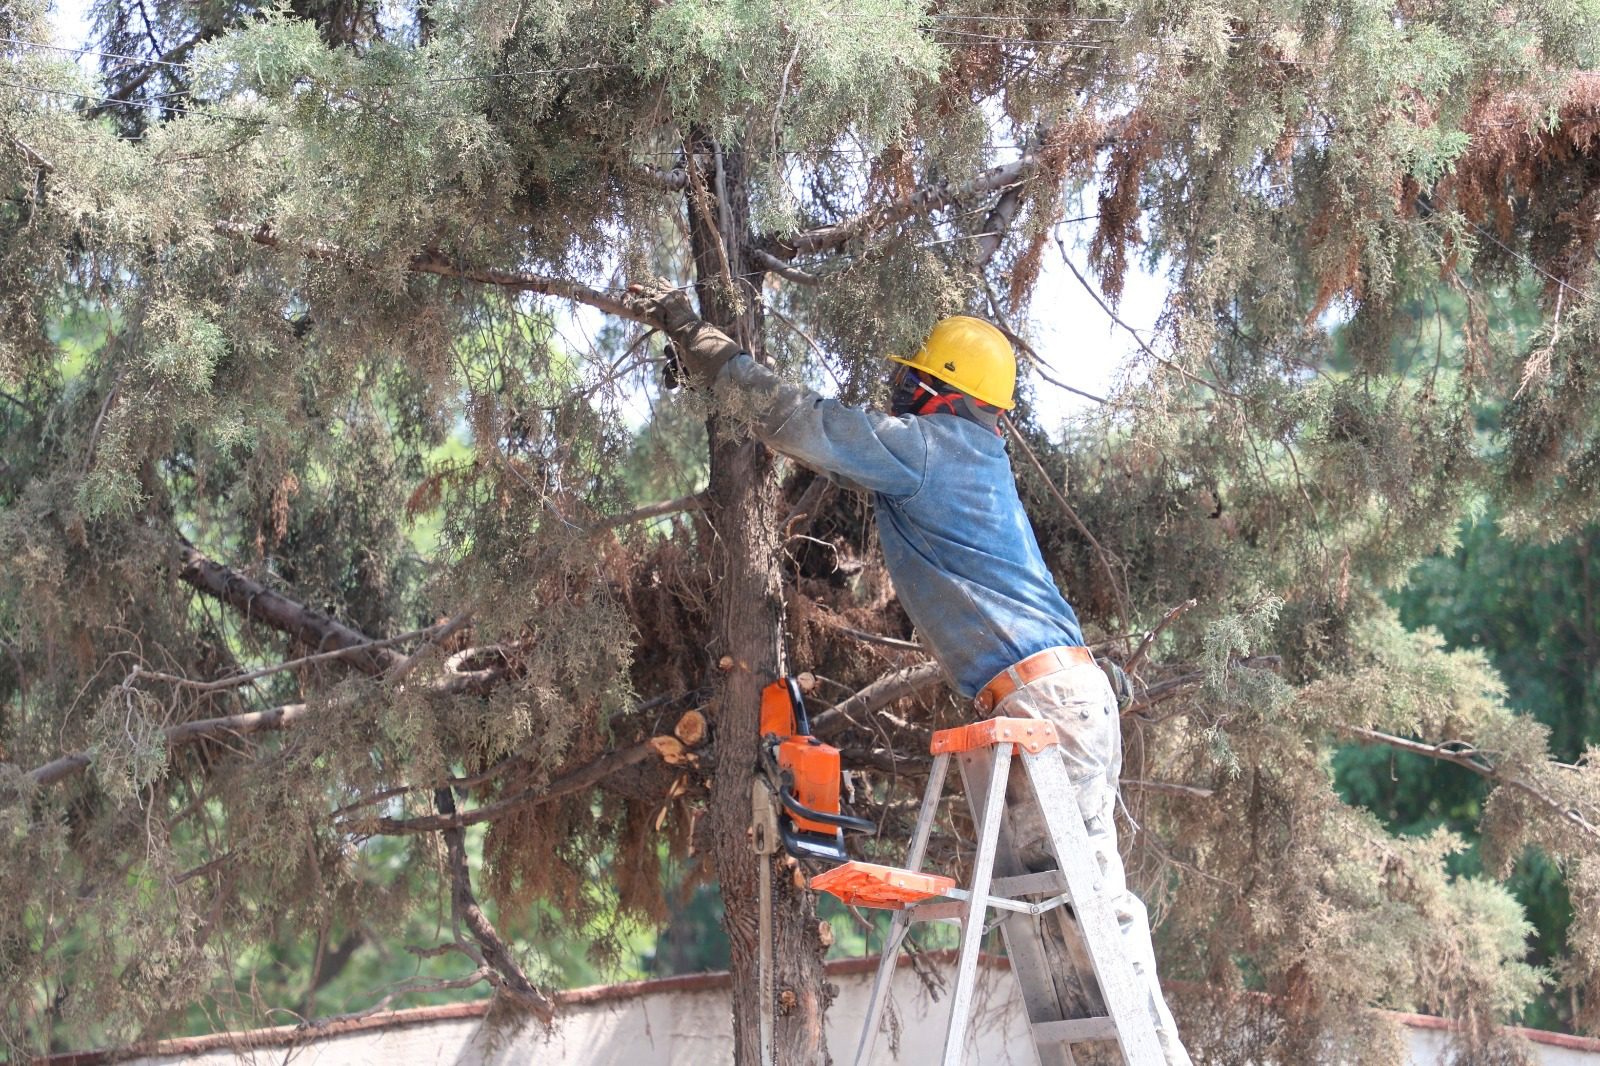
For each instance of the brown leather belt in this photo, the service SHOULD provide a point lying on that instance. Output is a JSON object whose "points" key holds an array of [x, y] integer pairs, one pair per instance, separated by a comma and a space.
{"points": [[1040, 664]]}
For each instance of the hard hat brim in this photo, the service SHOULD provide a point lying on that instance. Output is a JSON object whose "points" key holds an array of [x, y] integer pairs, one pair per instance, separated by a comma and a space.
{"points": [[914, 365]]}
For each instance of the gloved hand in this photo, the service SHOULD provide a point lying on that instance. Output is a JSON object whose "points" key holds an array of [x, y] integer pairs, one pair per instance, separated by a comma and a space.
{"points": [[702, 349], [663, 303], [1120, 685]]}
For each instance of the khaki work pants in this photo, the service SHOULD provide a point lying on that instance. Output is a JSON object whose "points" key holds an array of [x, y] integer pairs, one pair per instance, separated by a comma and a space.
{"points": [[1078, 700]]}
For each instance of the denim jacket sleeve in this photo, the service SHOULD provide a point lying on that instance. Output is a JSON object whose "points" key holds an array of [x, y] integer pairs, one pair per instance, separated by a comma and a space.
{"points": [[878, 452]]}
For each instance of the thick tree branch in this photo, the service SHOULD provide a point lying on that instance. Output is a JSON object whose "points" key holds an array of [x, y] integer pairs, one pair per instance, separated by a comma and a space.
{"points": [[807, 506], [874, 638], [882, 692], [1463, 754], [432, 261], [278, 717], [995, 225], [1165, 690], [512, 981], [674, 180], [431, 634], [328, 966], [695, 501], [517, 759], [1150, 638], [257, 602], [1171, 788], [32, 156], [921, 202], [784, 270], [177, 736]]}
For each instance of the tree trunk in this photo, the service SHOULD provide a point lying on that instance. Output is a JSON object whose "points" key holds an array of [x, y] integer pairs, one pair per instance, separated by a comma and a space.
{"points": [[743, 511]]}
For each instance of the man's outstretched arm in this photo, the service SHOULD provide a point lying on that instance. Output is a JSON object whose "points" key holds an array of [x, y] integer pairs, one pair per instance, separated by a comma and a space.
{"points": [[872, 449]]}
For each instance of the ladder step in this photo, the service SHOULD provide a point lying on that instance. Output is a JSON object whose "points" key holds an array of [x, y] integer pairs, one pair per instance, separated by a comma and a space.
{"points": [[867, 884], [1050, 883], [1075, 1030]]}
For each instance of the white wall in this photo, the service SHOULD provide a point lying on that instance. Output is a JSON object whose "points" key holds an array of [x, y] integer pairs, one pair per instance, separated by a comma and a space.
{"points": [[668, 1024]]}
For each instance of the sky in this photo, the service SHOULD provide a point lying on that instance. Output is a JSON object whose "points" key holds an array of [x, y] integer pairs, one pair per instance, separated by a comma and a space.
{"points": [[1066, 326]]}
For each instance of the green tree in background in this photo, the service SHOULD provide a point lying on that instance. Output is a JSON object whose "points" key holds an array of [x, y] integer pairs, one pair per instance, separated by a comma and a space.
{"points": [[1529, 608], [1524, 605], [1532, 609], [348, 569]]}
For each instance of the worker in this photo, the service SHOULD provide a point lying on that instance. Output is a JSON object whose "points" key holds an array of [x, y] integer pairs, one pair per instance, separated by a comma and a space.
{"points": [[960, 551]]}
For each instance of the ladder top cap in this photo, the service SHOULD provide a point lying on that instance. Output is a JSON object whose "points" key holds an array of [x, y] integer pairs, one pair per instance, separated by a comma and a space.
{"points": [[1031, 734]]}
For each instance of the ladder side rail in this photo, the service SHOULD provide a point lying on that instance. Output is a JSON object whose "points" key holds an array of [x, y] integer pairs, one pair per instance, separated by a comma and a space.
{"points": [[1127, 999], [972, 927], [900, 925], [1023, 938], [925, 816]]}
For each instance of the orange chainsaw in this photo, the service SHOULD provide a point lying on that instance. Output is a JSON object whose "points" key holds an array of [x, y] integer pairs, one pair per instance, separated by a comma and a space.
{"points": [[803, 773]]}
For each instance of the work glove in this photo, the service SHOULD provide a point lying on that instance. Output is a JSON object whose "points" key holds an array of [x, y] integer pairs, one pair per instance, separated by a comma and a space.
{"points": [[1120, 685], [698, 348]]}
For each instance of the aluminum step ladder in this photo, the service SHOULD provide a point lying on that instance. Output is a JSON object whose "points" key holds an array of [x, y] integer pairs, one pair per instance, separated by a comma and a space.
{"points": [[1111, 1003]]}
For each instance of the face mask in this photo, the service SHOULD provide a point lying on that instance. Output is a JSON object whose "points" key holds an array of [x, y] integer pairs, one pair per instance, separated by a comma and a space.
{"points": [[905, 392]]}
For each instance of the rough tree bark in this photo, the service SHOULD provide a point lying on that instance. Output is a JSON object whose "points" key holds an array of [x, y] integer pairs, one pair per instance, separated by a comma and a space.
{"points": [[743, 511]]}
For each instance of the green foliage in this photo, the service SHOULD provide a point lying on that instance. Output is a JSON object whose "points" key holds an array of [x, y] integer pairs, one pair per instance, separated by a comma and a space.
{"points": [[1522, 606]]}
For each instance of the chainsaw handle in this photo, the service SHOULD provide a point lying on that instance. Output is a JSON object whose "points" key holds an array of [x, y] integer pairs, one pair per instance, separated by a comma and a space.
{"points": [[811, 845], [797, 700], [841, 821]]}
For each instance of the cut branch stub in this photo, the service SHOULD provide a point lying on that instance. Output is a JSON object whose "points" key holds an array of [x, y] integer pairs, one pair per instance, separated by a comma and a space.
{"points": [[691, 728], [670, 750]]}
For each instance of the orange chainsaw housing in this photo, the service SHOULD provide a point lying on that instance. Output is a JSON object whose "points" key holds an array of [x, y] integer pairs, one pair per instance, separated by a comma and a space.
{"points": [[812, 766]]}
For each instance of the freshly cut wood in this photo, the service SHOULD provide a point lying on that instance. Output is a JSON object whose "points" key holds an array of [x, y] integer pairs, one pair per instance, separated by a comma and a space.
{"points": [[691, 728], [670, 749]]}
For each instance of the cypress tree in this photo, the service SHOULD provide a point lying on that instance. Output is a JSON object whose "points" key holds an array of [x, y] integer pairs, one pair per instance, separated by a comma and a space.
{"points": [[342, 510]]}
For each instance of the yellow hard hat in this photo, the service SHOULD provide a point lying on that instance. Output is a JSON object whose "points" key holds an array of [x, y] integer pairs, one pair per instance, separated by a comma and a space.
{"points": [[972, 355]]}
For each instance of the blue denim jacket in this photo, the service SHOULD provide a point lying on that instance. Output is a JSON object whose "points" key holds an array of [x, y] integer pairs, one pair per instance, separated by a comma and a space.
{"points": [[956, 540]]}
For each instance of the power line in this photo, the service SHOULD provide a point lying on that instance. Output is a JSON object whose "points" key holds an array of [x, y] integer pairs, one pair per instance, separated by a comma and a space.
{"points": [[158, 100], [1001, 18], [1530, 263], [92, 52], [154, 101]]}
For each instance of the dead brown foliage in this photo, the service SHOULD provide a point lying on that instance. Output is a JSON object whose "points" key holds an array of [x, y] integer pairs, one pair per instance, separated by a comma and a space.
{"points": [[1121, 182], [1520, 175], [1069, 150]]}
